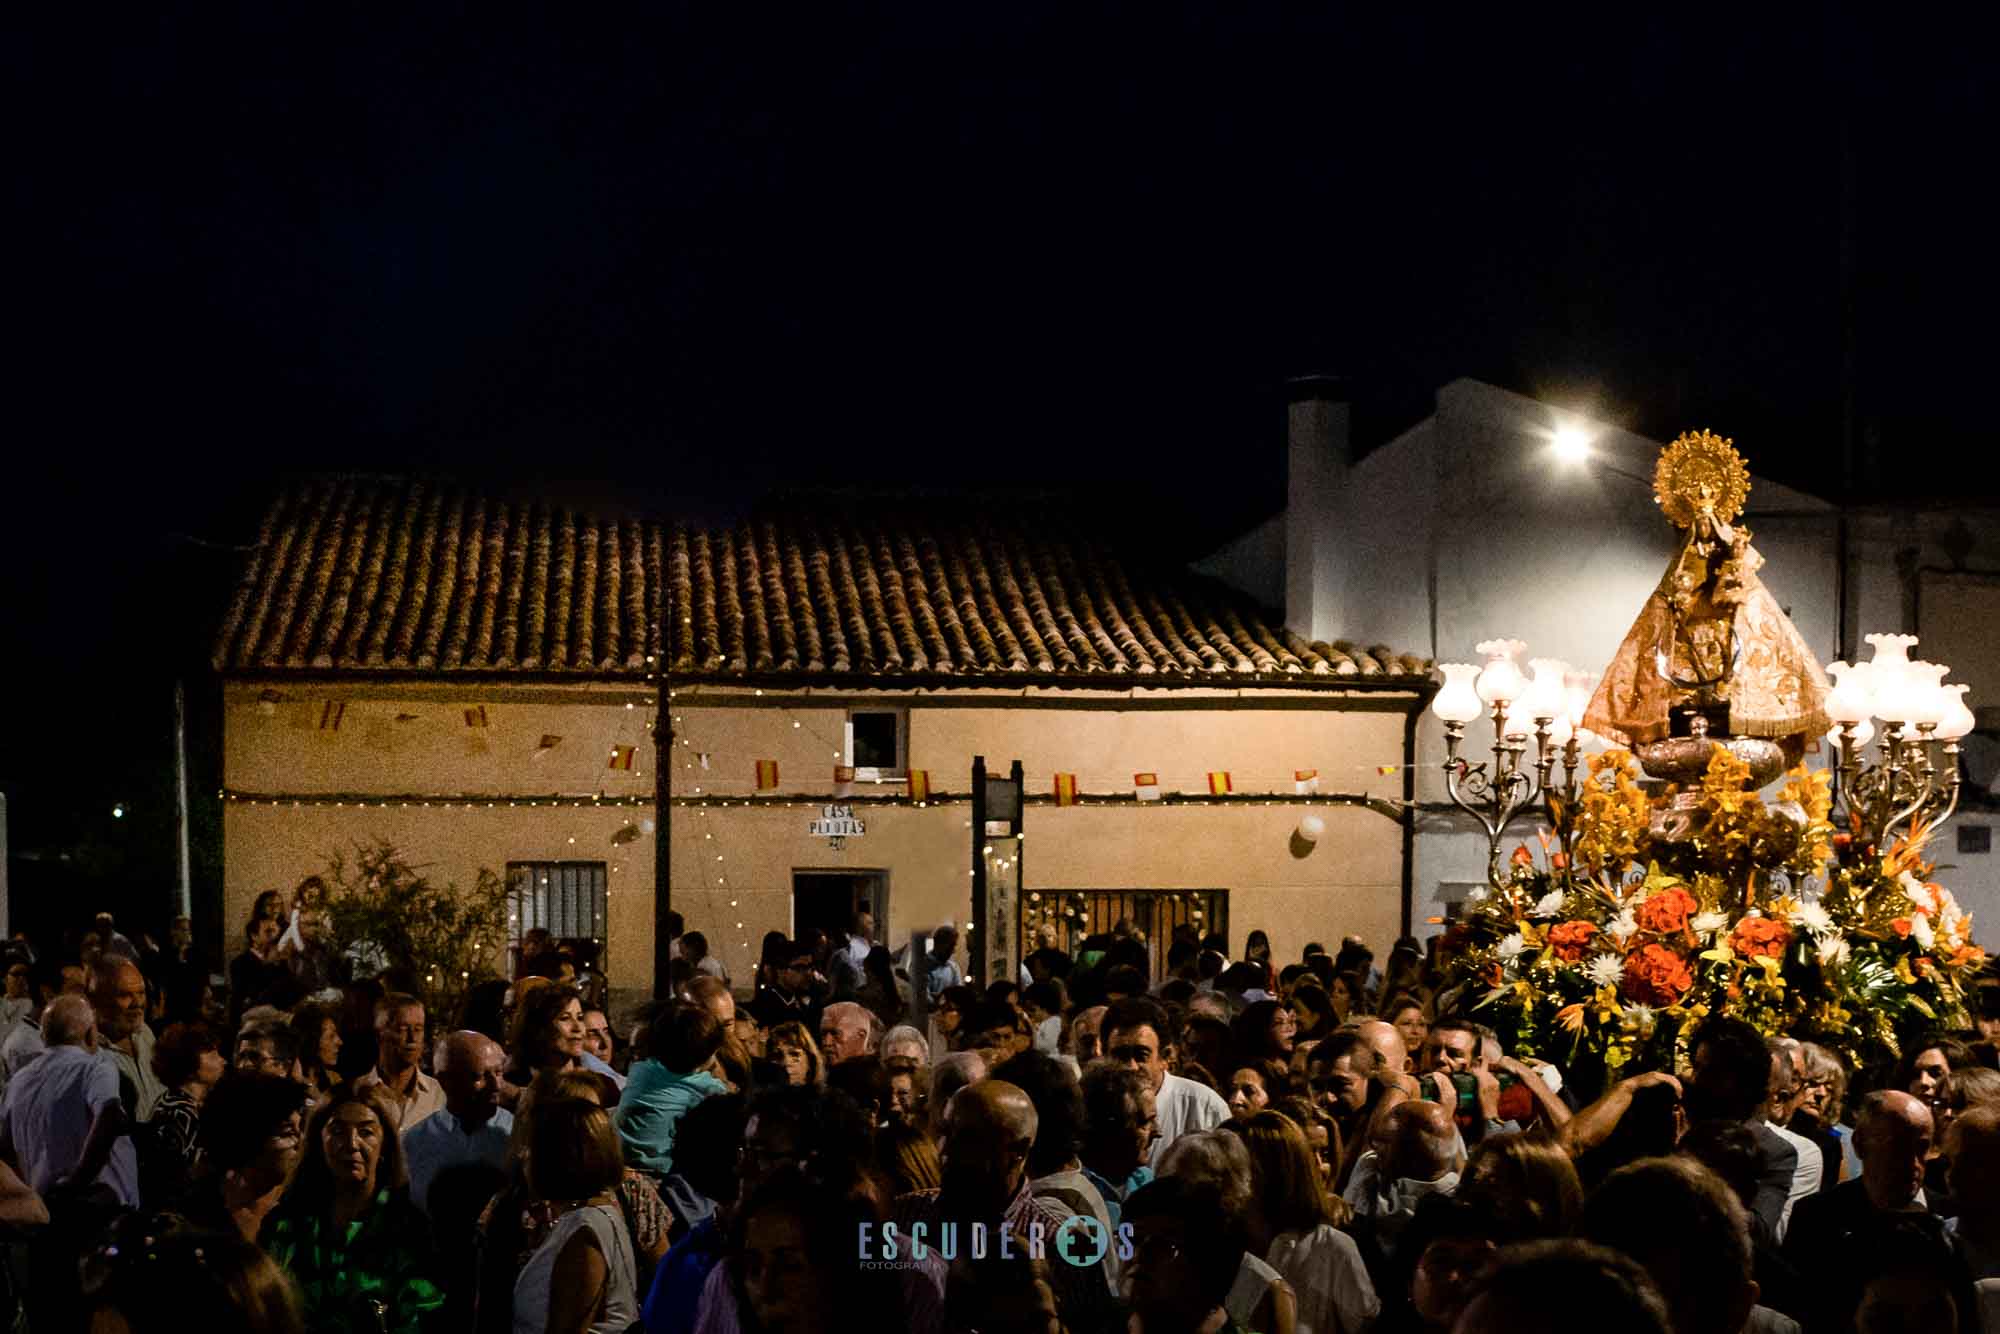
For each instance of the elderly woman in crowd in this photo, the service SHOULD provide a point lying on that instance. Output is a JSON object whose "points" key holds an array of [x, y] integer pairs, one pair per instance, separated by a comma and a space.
{"points": [[793, 1050], [346, 1230], [188, 1061], [252, 1128]]}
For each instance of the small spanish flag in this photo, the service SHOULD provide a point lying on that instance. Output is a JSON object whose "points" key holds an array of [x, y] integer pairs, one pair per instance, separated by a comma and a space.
{"points": [[1218, 783], [1065, 789], [330, 714], [1305, 781], [843, 780], [621, 756], [476, 716], [547, 744], [1386, 769], [767, 775], [1146, 787], [920, 785]]}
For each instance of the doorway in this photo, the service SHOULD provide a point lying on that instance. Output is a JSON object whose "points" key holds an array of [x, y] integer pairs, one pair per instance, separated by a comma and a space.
{"points": [[828, 900]]}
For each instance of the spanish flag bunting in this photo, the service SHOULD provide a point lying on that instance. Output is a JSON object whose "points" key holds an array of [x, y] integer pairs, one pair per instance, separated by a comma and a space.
{"points": [[1065, 789], [622, 756], [476, 716], [1386, 769], [1146, 787], [767, 775], [548, 743], [920, 785], [1218, 783], [1305, 781], [843, 780], [330, 714]]}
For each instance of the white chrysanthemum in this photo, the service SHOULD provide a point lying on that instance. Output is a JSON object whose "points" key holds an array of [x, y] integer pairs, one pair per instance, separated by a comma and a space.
{"points": [[1832, 950], [1605, 970], [1709, 922], [1920, 927], [1510, 948], [1918, 892], [1814, 917], [1622, 927], [1549, 904], [1637, 1018]]}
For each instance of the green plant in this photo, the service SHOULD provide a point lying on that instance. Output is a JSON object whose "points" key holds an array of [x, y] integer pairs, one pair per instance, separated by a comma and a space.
{"points": [[386, 914]]}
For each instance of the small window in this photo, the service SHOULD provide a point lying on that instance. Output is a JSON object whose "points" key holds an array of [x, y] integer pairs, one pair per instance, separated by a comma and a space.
{"points": [[566, 899], [876, 742]]}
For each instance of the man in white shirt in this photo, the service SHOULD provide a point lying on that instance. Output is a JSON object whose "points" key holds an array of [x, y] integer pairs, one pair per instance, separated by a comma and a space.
{"points": [[473, 1127], [118, 995], [399, 1052], [1788, 1073], [1137, 1033], [63, 1118]]}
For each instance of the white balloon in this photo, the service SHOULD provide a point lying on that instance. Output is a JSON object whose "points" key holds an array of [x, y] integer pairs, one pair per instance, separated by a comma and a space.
{"points": [[1311, 827]]}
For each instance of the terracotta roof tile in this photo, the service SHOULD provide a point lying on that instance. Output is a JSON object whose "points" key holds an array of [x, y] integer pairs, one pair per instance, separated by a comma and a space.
{"points": [[385, 576]]}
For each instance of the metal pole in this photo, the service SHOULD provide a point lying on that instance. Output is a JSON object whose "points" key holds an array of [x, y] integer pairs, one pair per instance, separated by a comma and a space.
{"points": [[184, 886], [975, 943]]}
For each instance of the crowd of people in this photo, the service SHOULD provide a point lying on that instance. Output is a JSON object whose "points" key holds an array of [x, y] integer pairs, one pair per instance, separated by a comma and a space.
{"points": [[1153, 1137]]}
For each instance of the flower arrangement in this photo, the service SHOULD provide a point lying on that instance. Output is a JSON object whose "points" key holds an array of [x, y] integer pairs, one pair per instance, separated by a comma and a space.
{"points": [[1628, 931]]}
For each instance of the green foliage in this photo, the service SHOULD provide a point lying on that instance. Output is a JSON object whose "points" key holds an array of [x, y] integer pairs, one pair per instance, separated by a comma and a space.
{"points": [[385, 912]]}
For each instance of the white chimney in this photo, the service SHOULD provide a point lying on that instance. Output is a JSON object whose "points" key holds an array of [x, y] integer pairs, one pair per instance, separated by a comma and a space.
{"points": [[1319, 458]]}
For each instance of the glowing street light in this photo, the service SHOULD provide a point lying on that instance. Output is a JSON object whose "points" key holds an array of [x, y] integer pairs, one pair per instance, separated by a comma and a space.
{"points": [[1572, 444]]}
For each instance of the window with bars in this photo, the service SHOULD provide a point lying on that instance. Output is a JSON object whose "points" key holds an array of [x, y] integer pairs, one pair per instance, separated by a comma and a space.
{"points": [[567, 899], [1077, 914]]}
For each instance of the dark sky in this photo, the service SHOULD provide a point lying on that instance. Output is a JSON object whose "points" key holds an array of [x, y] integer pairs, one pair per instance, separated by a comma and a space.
{"points": [[693, 253]]}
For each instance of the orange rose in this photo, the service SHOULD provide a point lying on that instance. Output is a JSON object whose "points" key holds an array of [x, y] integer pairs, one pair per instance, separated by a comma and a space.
{"points": [[1901, 926], [1667, 912], [1760, 936], [1655, 975], [1571, 939]]}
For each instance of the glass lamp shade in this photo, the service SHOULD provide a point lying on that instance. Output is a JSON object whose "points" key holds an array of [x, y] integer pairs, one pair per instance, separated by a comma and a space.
{"points": [[1926, 700], [1544, 698], [1887, 672], [1457, 701], [1560, 729], [1850, 700], [1577, 689], [1864, 732], [1500, 680], [1957, 719]]}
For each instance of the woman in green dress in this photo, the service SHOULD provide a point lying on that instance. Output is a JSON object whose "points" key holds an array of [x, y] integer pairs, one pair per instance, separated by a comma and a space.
{"points": [[346, 1230]]}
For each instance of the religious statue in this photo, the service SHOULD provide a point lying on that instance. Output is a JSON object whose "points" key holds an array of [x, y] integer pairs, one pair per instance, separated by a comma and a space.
{"points": [[1712, 658]]}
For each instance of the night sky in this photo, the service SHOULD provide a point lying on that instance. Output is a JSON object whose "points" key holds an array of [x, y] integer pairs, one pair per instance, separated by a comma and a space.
{"points": [[689, 255]]}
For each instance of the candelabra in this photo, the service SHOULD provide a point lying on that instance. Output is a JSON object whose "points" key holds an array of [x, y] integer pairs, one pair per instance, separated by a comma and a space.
{"points": [[1913, 784], [1553, 701]]}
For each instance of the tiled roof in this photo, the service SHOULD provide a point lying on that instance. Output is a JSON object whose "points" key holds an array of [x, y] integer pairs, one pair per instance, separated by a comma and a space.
{"points": [[380, 576]]}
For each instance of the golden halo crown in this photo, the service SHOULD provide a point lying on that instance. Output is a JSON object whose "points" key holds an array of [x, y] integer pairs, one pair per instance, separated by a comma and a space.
{"points": [[1700, 473]]}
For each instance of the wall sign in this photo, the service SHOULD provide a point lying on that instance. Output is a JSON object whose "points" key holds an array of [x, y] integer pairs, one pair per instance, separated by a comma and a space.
{"points": [[836, 823]]}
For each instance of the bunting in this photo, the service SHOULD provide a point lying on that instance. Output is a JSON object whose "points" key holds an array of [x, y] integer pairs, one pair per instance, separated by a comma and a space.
{"points": [[330, 714], [767, 775], [622, 757], [1305, 781], [920, 785], [1065, 789], [1218, 783], [476, 716], [1146, 787]]}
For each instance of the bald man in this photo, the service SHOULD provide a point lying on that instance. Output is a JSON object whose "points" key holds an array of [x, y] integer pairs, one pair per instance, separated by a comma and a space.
{"points": [[954, 1071], [1837, 1238], [1416, 1151], [117, 991], [473, 1128], [63, 1117]]}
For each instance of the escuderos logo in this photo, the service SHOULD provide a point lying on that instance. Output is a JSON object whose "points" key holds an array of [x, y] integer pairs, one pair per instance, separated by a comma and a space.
{"points": [[1080, 1240]]}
